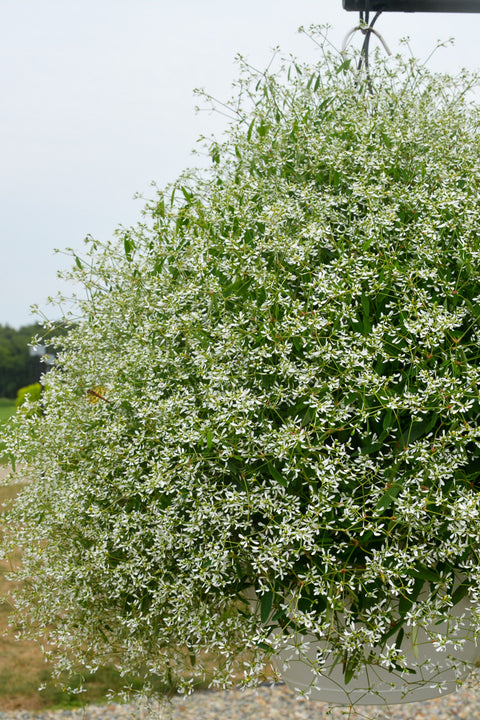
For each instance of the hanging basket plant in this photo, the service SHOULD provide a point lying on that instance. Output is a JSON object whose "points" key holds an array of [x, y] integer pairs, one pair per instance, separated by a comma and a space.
{"points": [[272, 384]]}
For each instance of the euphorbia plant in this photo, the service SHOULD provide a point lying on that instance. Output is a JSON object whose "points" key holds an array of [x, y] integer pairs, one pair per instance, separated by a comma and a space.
{"points": [[273, 383]]}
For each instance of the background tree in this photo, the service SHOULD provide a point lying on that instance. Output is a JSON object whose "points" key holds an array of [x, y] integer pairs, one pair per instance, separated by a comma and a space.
{"points": [[18, 367]]}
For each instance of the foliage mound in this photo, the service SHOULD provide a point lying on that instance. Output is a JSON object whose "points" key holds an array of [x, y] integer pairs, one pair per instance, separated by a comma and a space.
{"points": [[273, 383], [32, 392]]}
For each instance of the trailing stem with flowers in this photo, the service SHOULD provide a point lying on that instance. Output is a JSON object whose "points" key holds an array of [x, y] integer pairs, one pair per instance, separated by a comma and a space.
{"points": [[273, 383]]}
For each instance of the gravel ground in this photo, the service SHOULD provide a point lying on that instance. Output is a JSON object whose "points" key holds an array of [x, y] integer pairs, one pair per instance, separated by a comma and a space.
{"points": [[6, 470], [266, 703]]}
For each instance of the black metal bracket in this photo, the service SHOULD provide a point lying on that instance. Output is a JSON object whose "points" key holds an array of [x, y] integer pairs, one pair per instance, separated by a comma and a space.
{"points": [[450, 6]]}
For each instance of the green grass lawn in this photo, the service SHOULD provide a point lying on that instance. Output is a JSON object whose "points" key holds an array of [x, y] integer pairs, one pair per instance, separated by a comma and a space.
{"points": [[7, 408]]}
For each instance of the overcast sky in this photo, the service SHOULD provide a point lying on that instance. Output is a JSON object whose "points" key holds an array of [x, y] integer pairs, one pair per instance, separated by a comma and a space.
{"points": [[97, 102]]}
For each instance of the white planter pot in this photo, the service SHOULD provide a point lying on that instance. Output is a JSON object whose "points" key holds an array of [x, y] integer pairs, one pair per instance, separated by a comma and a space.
{"points": [[434, 671]]}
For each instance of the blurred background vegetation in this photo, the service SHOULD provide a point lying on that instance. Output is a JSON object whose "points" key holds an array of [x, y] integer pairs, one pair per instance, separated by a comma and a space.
{"points": [[18, 367]]}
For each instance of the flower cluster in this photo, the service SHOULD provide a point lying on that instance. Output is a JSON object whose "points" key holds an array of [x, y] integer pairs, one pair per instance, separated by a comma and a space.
{"points": [[273, 383]]}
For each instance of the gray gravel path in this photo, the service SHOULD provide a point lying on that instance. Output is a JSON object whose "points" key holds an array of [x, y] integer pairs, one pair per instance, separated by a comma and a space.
{"points": [[266, 703]]}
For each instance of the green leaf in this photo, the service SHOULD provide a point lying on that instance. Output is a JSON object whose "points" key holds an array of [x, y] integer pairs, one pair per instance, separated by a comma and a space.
{"points": [[129, 247], [78, 262], [160, 208], [387, 498], [159, 264], [422, 572], [187, 194], [266, 603], [298, 343], [264, 646], [276, 475], [365, 302], [345, 66], [209, 439], [370, 448], [279, 615], [263, 129], [350, 667], [215, 153], [237, 288], [420, 429], [387, 421], [460, 592], [397, 626], [406, 601], [399, 640], [474, 309]]}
